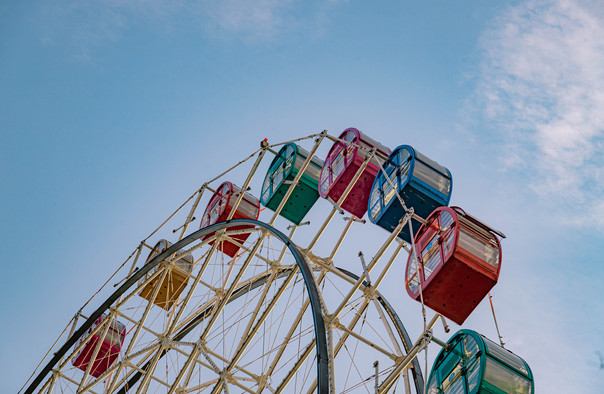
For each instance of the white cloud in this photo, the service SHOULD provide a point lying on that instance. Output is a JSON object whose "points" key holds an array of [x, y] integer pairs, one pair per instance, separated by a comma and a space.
{"points": [[543, 81], [258, 19], [100, 21]]}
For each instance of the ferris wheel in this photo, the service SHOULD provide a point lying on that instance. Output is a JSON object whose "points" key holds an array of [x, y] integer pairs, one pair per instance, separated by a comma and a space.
{"points": [[247, 304]]}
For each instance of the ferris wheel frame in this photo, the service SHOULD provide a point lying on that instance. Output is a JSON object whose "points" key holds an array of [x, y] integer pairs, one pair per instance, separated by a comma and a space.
{"points": [[324, 324]]}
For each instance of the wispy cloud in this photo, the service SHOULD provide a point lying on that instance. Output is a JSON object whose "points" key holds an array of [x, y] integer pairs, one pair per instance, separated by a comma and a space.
{"points": [[256, 19], [542, 83], [96, 22]]}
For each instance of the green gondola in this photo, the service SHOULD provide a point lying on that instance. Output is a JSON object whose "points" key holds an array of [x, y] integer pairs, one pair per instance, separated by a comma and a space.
{"points": [[282, 171], [474, 364]]}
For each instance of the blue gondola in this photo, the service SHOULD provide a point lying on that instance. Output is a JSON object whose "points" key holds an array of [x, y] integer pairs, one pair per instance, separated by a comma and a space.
{"points": [[422, 183]]}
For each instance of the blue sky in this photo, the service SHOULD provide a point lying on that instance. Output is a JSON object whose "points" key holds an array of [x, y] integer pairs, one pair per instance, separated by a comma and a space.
{"points": [[112, 112]]}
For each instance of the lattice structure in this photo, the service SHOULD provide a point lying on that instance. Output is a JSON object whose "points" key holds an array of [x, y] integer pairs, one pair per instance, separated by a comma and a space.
{"points": [[254, 301]]}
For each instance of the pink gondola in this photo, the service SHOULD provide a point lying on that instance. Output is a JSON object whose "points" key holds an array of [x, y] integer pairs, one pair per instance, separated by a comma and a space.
{"points": [[342, 163]]}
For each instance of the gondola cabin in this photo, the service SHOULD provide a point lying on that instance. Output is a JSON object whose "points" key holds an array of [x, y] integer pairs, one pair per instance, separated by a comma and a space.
{"points": [[474, 364], [460, 263], [109, 349], [422, 184], [220, 206], [344, 159], [174, 281], [283, 170]]}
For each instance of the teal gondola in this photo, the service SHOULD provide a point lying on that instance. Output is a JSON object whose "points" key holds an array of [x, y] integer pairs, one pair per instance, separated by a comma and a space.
{"points": [[473, 364], [421, 182], [283, 170]]}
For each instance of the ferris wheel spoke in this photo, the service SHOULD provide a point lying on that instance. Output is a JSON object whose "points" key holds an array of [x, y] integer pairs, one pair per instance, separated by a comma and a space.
{"points": [[219, 306], [353, 365], [150, 369], [201, 387], [371, 265], [298, 364], [70, 380], [286, 341], [226, 360], [288, 338], [254, 324], [217, 310], [236, 382], [362, 338], [146, 352]]}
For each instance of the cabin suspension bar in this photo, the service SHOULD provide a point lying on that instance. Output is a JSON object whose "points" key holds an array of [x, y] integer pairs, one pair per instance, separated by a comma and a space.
{"points": [[376, 365], [495, 320]]}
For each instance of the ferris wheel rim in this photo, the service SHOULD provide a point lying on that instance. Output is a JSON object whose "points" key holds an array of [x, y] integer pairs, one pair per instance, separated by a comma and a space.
{"points": [[310, 285]]}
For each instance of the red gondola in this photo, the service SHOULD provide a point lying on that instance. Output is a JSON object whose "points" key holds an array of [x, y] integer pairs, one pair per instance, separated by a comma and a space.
{"points": [[109, 350], [460, 263], [342, 163], [220, 206]]}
